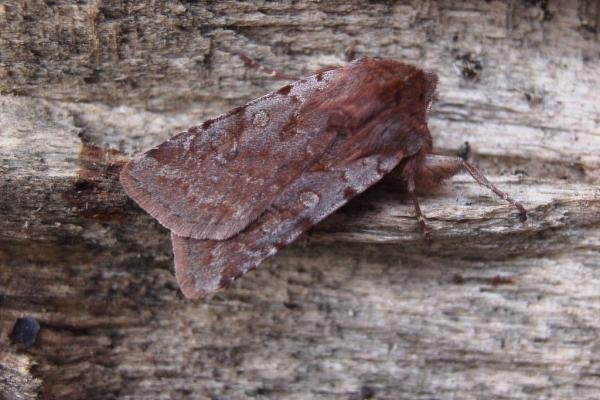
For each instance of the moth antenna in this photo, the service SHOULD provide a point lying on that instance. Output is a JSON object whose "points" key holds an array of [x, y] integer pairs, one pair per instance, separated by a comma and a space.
{"points": [[418, 214], [482, 180], [266, 70]]}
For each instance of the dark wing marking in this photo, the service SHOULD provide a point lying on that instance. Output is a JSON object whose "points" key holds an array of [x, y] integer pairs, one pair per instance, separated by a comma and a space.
{"points": [[212, 181]]}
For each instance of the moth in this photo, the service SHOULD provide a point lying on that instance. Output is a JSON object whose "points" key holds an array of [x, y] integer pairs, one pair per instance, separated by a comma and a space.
{"points": [[239, 187]]}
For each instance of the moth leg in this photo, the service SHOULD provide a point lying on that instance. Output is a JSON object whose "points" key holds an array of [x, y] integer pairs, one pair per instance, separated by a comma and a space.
{"points": [[261, 68], [482, 180], [437, 168], [418, 214]]}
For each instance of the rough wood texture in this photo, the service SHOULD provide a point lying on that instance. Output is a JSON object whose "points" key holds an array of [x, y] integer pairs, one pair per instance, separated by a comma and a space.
{"points": [[492, 309]]}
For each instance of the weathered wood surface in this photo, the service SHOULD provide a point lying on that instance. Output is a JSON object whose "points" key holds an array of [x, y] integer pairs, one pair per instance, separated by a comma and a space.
{"points": [[366, 310]]}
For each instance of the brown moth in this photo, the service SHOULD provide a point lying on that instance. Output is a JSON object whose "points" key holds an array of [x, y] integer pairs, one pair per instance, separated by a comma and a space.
{"points": [[243, 185]]}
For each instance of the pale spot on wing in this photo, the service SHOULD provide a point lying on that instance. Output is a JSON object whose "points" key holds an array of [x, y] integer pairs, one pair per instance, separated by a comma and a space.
{"points": [[260, 119], [310, 150], [270, 223], [187, 142], [309, 199], [385, 165], [233, 150], [359, 174]]}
